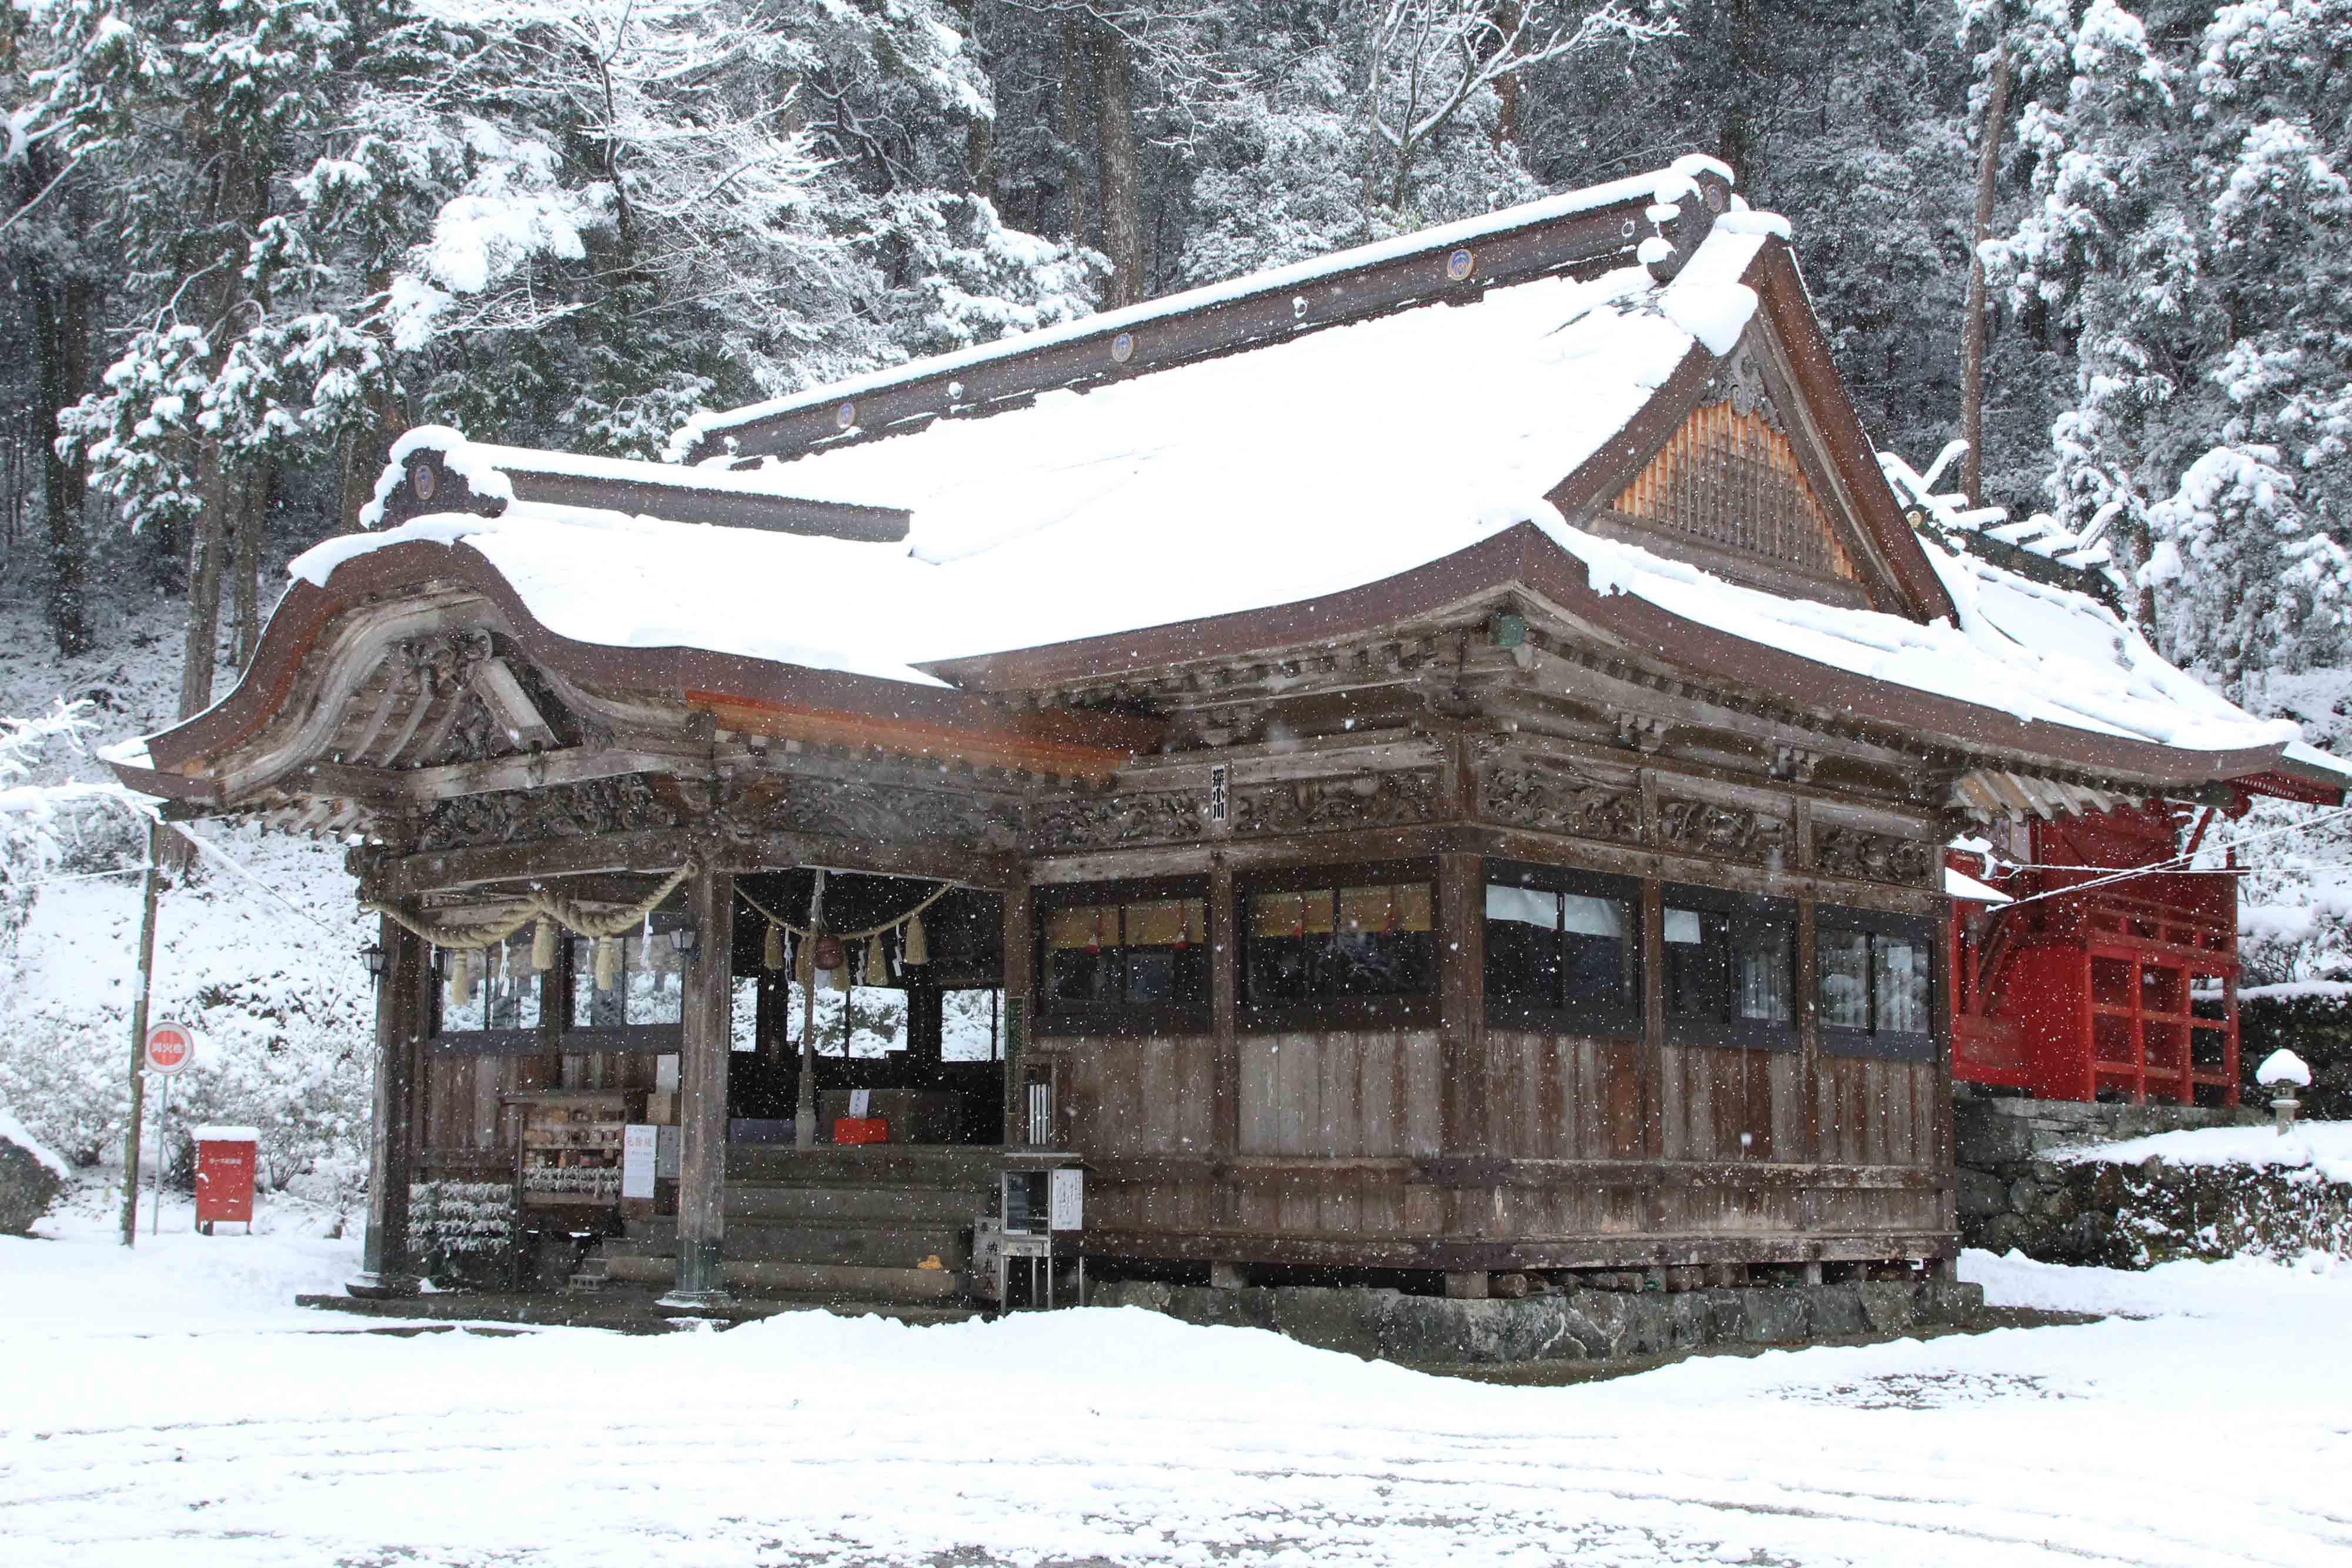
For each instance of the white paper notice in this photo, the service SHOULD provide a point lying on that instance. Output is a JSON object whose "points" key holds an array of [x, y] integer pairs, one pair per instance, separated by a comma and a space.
{"points": [[861, 1101], [1066, 1204], [639, 1143]]}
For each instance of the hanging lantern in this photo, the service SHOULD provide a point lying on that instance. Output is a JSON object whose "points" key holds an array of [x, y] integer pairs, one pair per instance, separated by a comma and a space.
{"points": [[771, 952], [918, 951], [542, 945], [876, 971], [608, 961]]}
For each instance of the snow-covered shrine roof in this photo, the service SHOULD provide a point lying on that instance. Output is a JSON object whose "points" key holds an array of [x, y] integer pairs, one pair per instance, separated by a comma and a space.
{"points": [[1293, 485]]}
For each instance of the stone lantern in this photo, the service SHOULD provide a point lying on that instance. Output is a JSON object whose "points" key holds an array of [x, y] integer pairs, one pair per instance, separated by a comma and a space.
{"points": [[2283, 1072]]}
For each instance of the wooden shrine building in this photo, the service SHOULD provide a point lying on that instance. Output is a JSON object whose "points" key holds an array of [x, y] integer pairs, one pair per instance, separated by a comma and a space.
{"points": [[1421, 765]]}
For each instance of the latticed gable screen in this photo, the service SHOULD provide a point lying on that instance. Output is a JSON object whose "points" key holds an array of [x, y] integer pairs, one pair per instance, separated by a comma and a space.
{"points": [[1730, 480]]}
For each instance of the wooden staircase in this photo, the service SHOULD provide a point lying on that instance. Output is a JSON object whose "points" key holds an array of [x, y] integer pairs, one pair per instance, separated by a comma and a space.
{"points": [[883, 1227]]}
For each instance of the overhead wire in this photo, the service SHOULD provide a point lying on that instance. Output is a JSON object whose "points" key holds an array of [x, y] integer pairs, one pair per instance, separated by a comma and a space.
{"points": [[2173, 866]]}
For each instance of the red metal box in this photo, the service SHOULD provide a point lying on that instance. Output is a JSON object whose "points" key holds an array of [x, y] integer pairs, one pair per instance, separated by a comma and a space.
{"points": [[224, 1164]]}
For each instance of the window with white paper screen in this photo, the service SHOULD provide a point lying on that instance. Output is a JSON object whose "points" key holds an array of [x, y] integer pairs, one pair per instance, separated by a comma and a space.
{"points": [[1874, 983], [1901, 989], [1562, 948]]}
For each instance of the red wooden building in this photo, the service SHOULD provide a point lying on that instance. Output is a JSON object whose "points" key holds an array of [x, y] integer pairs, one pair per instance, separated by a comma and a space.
{"points": [[2069, 980]]}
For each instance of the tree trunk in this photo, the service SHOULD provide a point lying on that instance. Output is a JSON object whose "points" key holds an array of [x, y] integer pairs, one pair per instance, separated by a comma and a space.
{"points": [[60, 303], [1973, 353], [1122, 211], [1507, 90], [369, 450], [252, 516], [1070, 115], [209, 543]]}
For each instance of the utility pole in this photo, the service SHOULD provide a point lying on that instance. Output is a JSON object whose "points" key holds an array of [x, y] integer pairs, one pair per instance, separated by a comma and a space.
{"points": [[139, 999]]}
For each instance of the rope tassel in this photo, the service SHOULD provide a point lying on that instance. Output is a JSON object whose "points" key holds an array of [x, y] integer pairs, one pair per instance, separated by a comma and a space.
{"points": [[875, 972], [918, 951], [608, 961], [772, 953], [542, 945], [804, 964]]}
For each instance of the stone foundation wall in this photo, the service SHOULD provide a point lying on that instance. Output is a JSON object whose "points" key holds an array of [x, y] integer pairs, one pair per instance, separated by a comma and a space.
{"points": [[2013, 1195], [1572, 1326]]}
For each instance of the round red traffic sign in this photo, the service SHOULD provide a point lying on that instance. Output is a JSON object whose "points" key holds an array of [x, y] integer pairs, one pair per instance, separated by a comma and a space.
{"points": [[170, 1048]]}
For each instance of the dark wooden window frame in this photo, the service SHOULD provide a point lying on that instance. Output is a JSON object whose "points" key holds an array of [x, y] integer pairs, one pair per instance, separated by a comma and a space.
{"points": [[1052, 1016], [1743, 911], [561, 1038], [1591, 1019], [1891, 1045], [1332, 1012]]}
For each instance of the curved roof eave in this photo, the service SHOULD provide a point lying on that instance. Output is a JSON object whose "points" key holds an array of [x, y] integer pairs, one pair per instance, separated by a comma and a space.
{"points": [[1085, 743], [1524, 557]]}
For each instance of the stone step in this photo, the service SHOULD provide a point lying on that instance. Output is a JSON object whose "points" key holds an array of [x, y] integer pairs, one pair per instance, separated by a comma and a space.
{"points": [[883, 1243], [823, 1282], [879, 1164], [765, 1203]]}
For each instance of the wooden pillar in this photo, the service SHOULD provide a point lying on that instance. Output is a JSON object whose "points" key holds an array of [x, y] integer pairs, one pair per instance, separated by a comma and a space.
{"points": [[1019, 948], [1809, 1023], [1461, 1018], [404, 1004], [1225, 1008], [704, 1040]]}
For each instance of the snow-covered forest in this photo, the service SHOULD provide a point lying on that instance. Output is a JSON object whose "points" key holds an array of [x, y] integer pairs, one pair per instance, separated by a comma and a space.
{"points": [[249, 242]]}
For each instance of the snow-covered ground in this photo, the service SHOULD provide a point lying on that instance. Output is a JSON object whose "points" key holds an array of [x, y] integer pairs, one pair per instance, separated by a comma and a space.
{"points": [[166, 1406]]}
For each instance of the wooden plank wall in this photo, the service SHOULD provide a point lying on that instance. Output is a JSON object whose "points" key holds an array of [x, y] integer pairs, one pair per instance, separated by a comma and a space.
{"points": [[1710, 1096], [1561, 1097], [1340, 1094]]}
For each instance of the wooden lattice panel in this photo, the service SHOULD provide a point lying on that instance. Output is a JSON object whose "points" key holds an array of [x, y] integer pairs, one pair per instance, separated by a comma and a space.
{"points": [[1730, 480]]}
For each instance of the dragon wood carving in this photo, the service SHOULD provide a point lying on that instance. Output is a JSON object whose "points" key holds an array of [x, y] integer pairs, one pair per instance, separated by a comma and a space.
{"points": [[1563, 803], [1321, 805], [1873, 857], [595, 809], [1101, 822], [874, 812], [1725, 833]]}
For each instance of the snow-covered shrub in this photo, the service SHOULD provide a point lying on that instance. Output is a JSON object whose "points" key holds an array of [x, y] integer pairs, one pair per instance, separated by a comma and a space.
{"points": [[282, 1004]]}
